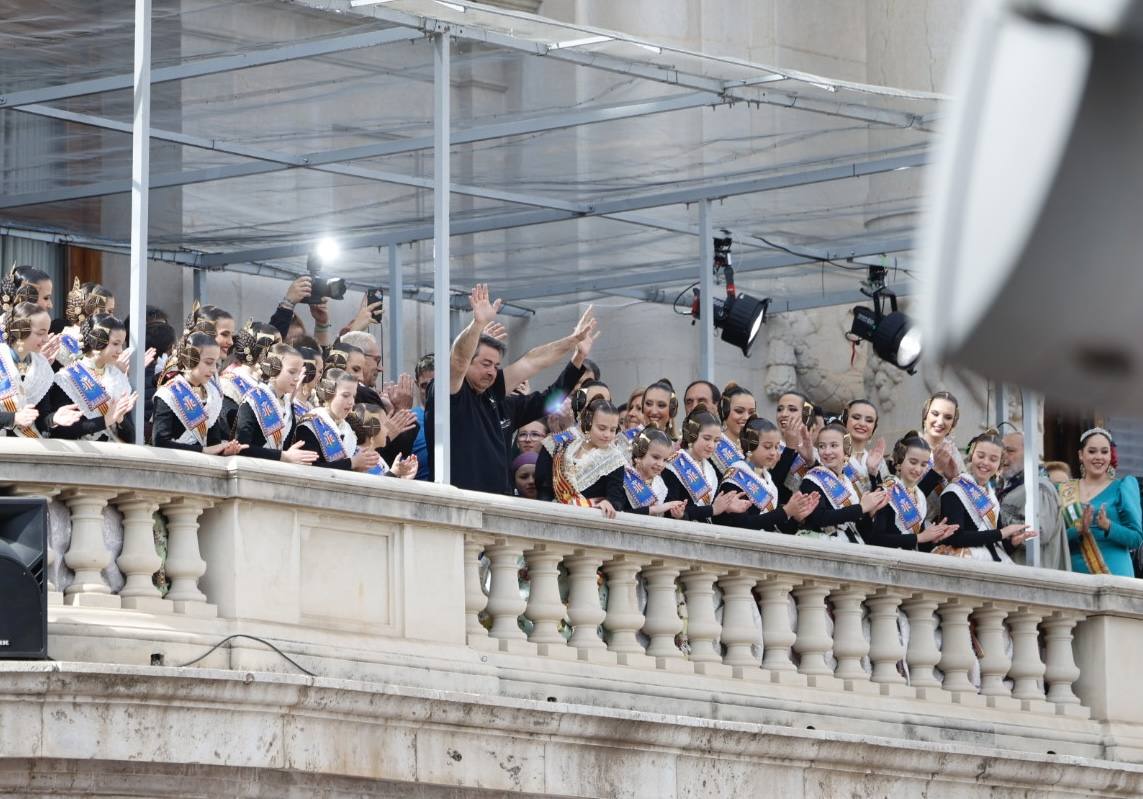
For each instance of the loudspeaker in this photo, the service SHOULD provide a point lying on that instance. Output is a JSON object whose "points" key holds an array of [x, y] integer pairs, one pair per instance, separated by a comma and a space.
{"points": [[23, 578], [1031, 247]]}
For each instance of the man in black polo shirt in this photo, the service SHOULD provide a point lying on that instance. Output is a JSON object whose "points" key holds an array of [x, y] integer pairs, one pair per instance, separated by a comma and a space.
{"points": [[482, 417]]}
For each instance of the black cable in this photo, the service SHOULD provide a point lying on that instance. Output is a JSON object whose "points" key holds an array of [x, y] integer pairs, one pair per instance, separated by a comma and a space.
{"points": [[675, 304], [206, 654], [811, 257]]}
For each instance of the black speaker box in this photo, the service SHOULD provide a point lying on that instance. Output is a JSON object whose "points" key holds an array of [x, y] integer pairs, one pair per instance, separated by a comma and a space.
{"points": [[23, 578]]}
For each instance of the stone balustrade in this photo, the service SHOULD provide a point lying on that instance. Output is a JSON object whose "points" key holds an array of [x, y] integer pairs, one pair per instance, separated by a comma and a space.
{"points": [[385, 580]]}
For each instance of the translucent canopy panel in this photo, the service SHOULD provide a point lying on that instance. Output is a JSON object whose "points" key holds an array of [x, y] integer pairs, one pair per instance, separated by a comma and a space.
{"points": [[579, 157]]}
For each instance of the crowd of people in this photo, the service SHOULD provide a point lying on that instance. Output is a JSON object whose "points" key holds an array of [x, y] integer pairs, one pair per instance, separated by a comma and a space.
{"points": [[270, 390]]}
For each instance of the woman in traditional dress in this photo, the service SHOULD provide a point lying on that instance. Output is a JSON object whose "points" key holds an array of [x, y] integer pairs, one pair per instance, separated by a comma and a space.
{"points": [[96, 386], [374, 429], [761, 442], [588, 469], [83, 302], [26, 376], [660, 404], [305, 398], [866, 467], [793, 414], [901, 523], [842, 512], [325, 430], [1102, 512], [644, 491], [578, 402], [691, 477], [188, 406], [970, 503], [266, 420], [735, 407], [250, 347], [939, 419]]}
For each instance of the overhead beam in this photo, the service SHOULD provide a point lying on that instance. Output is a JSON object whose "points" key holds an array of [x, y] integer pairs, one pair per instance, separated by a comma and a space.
{"points": [[333, 160], [503, 221], [684, 272], [214, 66]]}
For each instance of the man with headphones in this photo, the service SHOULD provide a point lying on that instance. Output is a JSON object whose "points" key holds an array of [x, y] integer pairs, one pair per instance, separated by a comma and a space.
{"points": [[483, 415]]}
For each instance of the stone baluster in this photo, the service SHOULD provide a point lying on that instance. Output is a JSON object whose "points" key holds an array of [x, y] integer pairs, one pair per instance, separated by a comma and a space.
{"points": [[777, 635], [584, 609], [184, 562], [702, 625], [956, 651], [545, 608], [663, 623], [849, 644], [55, 596], [739, 634], [994, 663], [922, 654], [504, 601], [886, 649], [623, 620], [1027, 668], [814, 641], [474, 597], [1061, 671], [88, 556], [139, 561]]}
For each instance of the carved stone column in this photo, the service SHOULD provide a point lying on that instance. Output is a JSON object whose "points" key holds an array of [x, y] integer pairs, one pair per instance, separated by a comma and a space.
{"points": [[922, 654], [777, 634], [475, 599], [88, 556], [545, 608], [995, 663], [702, 625], [956, 651], [623, 619], [663, 623], [504, 601], [184, 562], [1061, 670], [139, 561], [1027, 668], [886, 648], [584, 609], [739, 634], [814, 641], [849, 644]]}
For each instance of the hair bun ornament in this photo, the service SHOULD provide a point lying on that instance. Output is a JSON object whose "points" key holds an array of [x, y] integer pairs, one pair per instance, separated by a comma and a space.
{"points": [[8, 292], [95, 336]]}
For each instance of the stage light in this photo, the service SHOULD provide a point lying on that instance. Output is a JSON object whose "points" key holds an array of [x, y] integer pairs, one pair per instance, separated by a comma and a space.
{"points": [[894, 337], [739, 316]]}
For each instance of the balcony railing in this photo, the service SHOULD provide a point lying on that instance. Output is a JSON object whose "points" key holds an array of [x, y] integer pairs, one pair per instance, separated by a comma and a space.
{"points": [[371, 577]]}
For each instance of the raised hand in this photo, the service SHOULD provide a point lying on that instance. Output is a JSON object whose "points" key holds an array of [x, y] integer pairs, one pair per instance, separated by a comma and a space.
{"points": [[586, 325], [149, 357], [405, 468], [123, 362], [944, 459], [365, 460], [875, 457], [66, 416], [1085, 520], [121, 408], [401, 393], [400, 421], [801, 505], [364, 317], [299, 289], [483, 310], [51, 347], [496, 331], [1102, 520], [320, 312], [805, 442], [296, 454], [873, 501], [26, 417]]}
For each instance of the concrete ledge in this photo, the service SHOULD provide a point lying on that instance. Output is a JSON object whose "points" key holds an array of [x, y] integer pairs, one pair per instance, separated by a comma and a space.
{"points": [[94, 718]]}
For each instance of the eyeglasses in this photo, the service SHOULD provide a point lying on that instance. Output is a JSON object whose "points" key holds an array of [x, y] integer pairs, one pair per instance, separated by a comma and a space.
{"points": [[530, 434]]}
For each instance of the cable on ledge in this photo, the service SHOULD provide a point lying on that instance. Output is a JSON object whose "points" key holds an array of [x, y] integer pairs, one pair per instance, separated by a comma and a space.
{"points": [[286, 657]]}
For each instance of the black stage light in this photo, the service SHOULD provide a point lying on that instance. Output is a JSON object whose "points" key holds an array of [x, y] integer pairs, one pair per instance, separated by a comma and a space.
{"points": [[894, 337], [740, 317]]}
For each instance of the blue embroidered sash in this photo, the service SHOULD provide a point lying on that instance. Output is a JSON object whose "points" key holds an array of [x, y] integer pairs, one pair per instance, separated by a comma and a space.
{"points": [[632, 434], [189, 408], [726, 454], [639, 492], [908, 514], [752, 486], [799, 466], [380, 470], [269, 415], [69, 343], [10, 382], [328, 439], [300, 410], [980, 499], [835, 489], [94, 395], [850, 471], [691, 476], [243, 385], [559, 439]]}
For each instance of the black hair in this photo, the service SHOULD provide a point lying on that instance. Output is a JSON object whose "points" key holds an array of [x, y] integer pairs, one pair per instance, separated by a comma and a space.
{"points": [[160, 336], [715, 394], [696, 420], [591, 366], [645, 439], [495, 343], [909, 441], [752, 431]]}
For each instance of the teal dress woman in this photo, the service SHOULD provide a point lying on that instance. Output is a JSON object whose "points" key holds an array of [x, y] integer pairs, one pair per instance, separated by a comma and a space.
{"points": [[1105, 523]]}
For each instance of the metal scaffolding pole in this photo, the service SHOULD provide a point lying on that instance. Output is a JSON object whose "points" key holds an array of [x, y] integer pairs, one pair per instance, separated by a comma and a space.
{"points": [[396, 322], [198, 286], [1031, 472], [140, 184], [442, 341], [706, 296]]}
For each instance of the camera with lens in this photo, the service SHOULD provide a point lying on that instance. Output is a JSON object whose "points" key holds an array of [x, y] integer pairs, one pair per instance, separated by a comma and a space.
{"points": [[722, 245], [322, 287]]}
